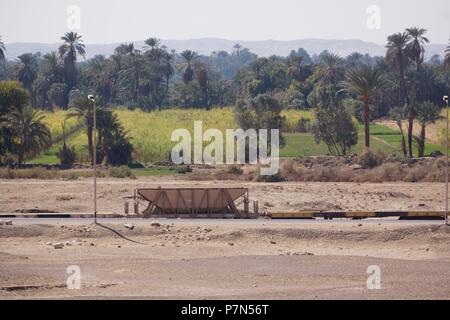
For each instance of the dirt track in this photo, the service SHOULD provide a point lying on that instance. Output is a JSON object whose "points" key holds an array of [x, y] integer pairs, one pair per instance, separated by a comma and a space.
{"points": [[76, 196], [253, 260]]}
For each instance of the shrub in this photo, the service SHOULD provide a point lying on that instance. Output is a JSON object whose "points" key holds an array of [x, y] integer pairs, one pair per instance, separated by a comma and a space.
{"points": [[184, 169], [371, 159], [136, 165], [34, 173], [271, 178], [121, 172], [67, 155], [235, 170]]}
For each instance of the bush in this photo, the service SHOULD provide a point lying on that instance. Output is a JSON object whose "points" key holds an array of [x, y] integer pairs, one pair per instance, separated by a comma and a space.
{"points": [[136, 165], [120, 150], [371, 159], [235, 170], [184, 169], [121, 172], [272, 178], [67, 155], [34, 173]]}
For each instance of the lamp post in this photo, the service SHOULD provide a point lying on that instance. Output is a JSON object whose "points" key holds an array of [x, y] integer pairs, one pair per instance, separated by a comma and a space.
{"points": [[446, 163], [94, 156]]}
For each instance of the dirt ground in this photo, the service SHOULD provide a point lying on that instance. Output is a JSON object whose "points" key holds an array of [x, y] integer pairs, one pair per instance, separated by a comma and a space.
{"points": [[76, 196], [225, 259]]}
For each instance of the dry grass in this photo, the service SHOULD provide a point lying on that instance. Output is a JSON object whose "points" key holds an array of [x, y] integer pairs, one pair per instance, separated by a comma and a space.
{"points": [[430, 170]]}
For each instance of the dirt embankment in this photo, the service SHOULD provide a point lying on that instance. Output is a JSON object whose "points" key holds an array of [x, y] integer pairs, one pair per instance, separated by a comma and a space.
{"points": [[76, 196]]}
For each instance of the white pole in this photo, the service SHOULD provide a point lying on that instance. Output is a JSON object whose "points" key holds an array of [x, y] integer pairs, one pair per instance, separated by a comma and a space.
{"points": [[446, 164], [94, 156]]}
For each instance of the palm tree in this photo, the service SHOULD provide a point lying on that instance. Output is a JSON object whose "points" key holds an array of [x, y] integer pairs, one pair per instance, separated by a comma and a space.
{"points": [[167, 68], [295, 66], [2, 49], [396, 57], [133, 68], [31, 134], [52, 67], [427, 113], [189, 56], [152, 43], [237, 47], [397, 116], [27, 70], [202, 76], [125, 49], [68, 51], [83, 110], [365, 82], [415, 47], [330, 69]]}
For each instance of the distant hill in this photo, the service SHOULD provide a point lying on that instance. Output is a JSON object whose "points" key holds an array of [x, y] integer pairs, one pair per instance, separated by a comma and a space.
{"points": [[208, 45]]}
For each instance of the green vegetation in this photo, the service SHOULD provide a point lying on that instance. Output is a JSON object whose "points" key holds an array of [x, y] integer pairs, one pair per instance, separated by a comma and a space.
{"points": [[325, 95], [150, 134]]}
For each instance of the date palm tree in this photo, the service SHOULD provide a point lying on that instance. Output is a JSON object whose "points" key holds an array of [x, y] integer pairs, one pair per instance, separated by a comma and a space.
{"points": [[415, 46], [427, 113], [189, 56], [2, 49], [68, 51], [167, 68], [29, 130], [125, 49], [365, 82], [202, 75], [83, 110], [52, 67], [330, 69], [397, 58], [27, 70], [152, 43]]}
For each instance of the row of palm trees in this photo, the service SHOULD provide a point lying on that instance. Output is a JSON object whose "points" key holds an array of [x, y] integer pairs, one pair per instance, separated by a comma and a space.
{"points": [[366, 82]]}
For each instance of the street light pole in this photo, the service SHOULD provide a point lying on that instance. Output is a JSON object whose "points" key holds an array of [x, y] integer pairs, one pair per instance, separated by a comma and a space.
{"points": [[94, 156], [446, 163]]}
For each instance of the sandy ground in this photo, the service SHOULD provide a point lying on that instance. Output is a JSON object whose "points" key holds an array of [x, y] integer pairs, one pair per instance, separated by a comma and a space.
{"points": [[76, 196], [225, 259]]}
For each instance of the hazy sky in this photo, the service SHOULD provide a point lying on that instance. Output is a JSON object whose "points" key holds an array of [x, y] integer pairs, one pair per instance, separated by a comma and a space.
{"points": [[107, 21]]}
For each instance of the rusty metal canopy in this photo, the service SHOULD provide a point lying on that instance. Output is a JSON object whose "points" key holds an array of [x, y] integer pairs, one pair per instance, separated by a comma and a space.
{"points": [[192, 200]]}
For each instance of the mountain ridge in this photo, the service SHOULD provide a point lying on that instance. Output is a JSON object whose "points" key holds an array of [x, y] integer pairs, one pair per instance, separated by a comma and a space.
{"points": [[205, 46]]}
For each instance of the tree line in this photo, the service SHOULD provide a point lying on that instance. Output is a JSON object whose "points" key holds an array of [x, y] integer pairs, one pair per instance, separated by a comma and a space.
{"points": [[401, 85]]}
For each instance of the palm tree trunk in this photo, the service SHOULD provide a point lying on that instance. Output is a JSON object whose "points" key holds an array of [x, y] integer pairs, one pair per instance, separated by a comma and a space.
{"points": [[422, 141], [21, 151], [410, 133], [366, 122]]}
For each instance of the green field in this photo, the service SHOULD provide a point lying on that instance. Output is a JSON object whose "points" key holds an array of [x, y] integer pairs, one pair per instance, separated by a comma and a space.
{"points": [[150, 133]]}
